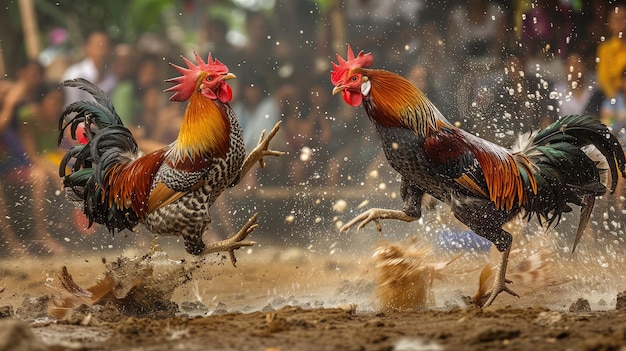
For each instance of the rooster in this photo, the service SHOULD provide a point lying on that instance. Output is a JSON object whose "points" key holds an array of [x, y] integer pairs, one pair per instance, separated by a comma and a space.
{"points": [[171, 189], [484, 184]]}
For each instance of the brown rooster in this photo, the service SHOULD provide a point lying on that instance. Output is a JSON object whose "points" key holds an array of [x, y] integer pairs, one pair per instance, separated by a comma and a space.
{"points": [[484, 184], [169, 190]]}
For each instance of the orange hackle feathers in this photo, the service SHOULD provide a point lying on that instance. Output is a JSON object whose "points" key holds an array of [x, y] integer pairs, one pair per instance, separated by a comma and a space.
{"points": [[187, 83], [340, 70], [400, 103], [205, 132]]}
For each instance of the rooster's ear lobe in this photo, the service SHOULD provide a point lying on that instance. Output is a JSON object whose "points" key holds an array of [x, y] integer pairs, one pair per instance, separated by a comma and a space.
{"points": [[365, 87]]}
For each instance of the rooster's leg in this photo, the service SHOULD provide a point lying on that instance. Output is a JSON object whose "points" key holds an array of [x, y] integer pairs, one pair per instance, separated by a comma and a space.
{"points": [[376, 214], [261, 150], [500, 281], [234, 242]]}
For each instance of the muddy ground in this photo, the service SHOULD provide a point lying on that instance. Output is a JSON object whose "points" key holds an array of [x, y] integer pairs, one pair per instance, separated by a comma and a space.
{"points": [[323, 297]]}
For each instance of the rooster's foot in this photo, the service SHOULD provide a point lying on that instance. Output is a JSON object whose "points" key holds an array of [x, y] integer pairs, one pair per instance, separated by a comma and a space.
{"points": [[375, 215], [260, 151], [234, 242], [500, 281], [495, 291]]}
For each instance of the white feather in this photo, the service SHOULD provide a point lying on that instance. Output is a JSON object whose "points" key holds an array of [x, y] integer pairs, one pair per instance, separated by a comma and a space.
{"points": [[598, 158]]}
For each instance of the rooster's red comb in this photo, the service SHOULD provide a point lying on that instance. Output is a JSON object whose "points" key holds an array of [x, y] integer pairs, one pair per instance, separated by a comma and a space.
{"points": [[186, 84], [344, 66]]}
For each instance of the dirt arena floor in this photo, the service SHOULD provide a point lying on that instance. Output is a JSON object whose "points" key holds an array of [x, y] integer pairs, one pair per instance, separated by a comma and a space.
{"points": [[325, 296]]}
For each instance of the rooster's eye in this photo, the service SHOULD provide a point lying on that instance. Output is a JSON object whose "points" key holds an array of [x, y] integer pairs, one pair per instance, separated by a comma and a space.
{"points": [[354, 78], [209, 78]]}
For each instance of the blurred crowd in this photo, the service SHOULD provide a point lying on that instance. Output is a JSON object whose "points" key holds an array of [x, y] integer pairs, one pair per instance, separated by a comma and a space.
{"points": [[496, 68]]}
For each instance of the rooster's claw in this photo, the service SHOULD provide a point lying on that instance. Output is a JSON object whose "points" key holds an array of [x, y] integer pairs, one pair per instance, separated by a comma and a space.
{"points": [[234, 242], [262, 148], [489, 297], [376, 214], [260, 151]]}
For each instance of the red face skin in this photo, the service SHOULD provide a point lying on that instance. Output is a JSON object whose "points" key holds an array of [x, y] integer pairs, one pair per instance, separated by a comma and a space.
{"points": [[348, 76], [214, 86], [351, 89]]}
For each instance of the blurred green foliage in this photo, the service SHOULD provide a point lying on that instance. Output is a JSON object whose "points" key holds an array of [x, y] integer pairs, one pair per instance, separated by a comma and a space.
{"points": [[124, 20]]}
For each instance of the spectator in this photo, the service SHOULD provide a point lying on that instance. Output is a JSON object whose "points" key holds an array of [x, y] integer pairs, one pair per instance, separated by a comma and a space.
{"points": [[258, 49], [254, 107], [547, 31], [477, 32], [577, 94], [613, 114], [93, 67], [43, 156], [22, 92], [256, 110], [519, 100], [438, 65], [22, 97], [10, 240], [382, 21], [212, 38], [123, 95], [309, 134], [611, 54], [55, 56], [159, 121], [140, 74], [613, 111]]}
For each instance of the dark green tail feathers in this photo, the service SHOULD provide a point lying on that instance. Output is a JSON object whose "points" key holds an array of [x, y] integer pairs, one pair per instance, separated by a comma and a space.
{"points": [[106, 143], [581, 131], [572, 157]]}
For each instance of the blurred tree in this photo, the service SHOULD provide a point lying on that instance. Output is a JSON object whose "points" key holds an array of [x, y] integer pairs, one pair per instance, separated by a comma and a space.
{"points": [[124, 21]]}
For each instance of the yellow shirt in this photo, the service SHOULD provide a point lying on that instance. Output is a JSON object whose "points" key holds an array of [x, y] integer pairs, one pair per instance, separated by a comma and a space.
{"points": [[611, 63]]}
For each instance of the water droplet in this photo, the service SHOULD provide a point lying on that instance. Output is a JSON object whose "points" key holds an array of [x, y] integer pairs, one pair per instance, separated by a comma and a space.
{"points": [[340, 205]]}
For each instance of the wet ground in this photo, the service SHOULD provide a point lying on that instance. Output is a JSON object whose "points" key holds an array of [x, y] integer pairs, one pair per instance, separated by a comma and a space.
{"points": [[315, 297]]}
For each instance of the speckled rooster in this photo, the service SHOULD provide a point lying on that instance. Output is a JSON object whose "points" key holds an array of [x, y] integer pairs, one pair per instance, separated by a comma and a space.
{"points": [[485, 184], [169, 190]]}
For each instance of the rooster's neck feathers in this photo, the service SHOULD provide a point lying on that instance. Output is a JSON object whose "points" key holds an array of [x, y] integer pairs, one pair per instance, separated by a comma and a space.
{"points": [[394, 102], [204, 133]]}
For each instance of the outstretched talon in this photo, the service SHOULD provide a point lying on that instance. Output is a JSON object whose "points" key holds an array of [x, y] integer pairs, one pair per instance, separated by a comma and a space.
{"points": [[376, 214], [261, 150], [234, 242]]}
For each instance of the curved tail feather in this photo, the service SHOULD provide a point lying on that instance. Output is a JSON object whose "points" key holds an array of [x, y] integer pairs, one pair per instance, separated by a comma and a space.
{"points": [[567, 170], [581, 130], [109, 143]]}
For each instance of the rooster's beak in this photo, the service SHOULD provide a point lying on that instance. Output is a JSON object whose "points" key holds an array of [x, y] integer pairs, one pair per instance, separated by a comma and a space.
{"points": [[228, 76], [337, 89]]}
